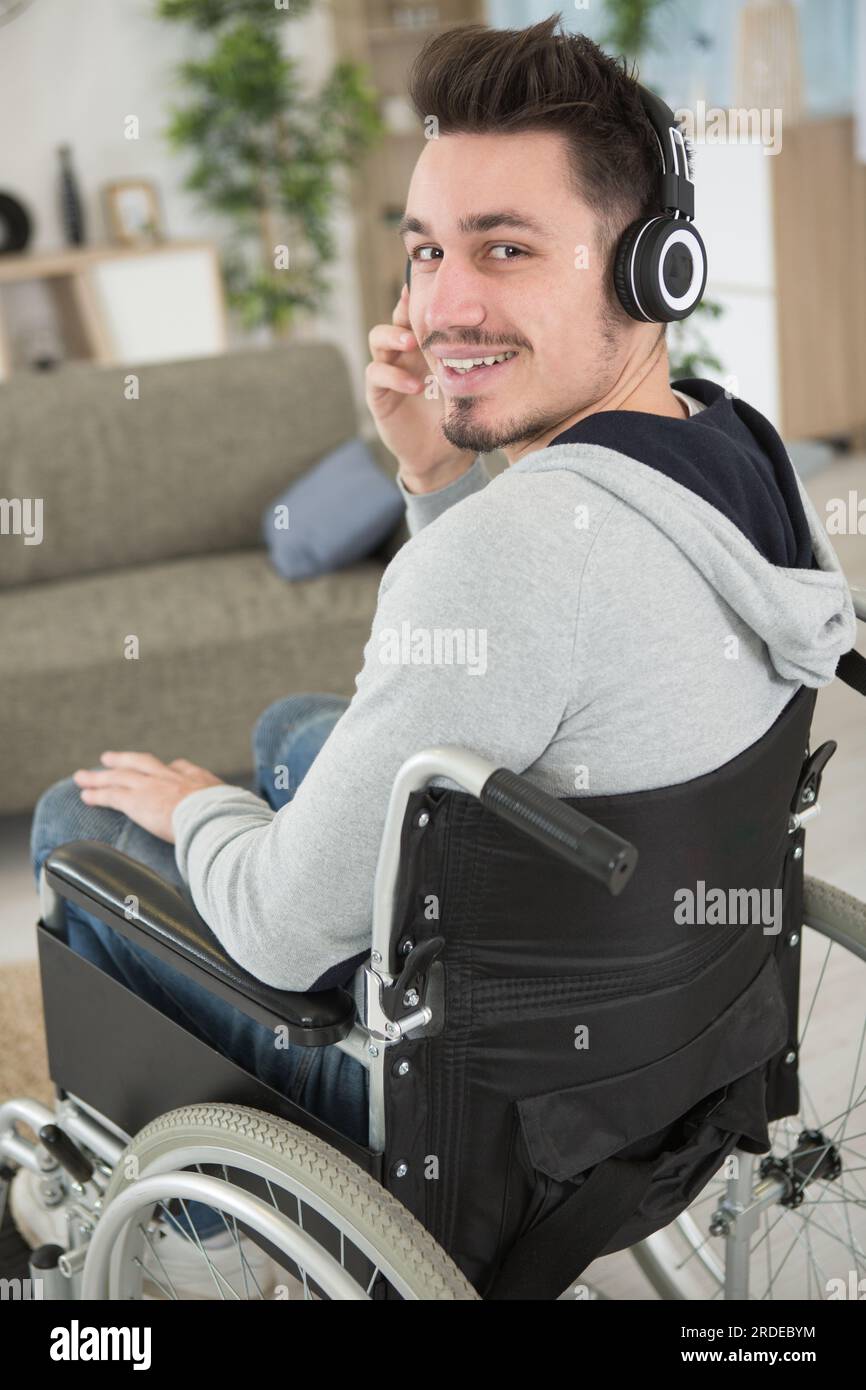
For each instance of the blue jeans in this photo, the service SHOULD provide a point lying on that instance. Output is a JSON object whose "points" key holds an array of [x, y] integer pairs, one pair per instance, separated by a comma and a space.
{"points": [[323, 1080]]}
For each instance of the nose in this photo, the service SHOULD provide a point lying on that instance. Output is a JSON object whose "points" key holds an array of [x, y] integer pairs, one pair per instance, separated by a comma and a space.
{"points": [[454, 298]]}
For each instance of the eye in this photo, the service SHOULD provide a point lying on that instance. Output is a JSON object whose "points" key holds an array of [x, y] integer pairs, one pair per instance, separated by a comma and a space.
{"points": [[506, 246], [416, 253]]}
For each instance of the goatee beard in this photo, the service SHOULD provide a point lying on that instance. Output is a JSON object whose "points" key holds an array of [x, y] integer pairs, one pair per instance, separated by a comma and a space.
{"points": [[465, 433]]}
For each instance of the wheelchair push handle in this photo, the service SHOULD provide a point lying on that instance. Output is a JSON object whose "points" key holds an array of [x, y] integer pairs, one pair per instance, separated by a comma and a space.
{"points": [[581, 842]]}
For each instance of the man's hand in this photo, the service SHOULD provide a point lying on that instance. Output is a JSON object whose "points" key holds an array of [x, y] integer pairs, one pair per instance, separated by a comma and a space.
{"points": [[143, 788], [409, 424]]}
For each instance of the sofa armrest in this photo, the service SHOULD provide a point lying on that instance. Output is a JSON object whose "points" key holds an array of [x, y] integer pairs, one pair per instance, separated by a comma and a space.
{"points": [[163, 919]]}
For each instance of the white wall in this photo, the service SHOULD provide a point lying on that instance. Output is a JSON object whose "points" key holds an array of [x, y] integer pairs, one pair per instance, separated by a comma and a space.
{"points": [[741, 269], [71, 71], [860, 80]]}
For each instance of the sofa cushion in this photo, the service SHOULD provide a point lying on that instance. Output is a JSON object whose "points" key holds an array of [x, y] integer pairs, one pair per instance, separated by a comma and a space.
{"points": [[184, 469], [219, 639], [337, 513]]}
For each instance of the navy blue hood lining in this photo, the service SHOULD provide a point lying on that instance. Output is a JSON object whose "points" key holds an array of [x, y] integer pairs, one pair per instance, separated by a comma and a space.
{"points": [[728, 454]]}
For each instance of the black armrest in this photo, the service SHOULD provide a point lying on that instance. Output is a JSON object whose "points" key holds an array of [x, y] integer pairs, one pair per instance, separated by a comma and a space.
{"points": [[100, 878]]}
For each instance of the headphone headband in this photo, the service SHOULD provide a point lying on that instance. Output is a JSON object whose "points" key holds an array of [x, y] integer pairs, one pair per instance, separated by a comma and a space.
{"points": [[677, 188], [660, 266]]}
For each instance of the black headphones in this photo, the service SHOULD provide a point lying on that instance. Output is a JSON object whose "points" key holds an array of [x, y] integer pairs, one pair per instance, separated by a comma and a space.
{"points": [[660, 265]]}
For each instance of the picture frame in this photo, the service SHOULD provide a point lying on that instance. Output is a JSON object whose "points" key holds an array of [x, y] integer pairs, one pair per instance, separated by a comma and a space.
{"points": [[132, 211]]}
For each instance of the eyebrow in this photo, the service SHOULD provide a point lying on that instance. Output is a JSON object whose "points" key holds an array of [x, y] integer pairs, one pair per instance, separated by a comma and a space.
{"points": [[475, 222]]}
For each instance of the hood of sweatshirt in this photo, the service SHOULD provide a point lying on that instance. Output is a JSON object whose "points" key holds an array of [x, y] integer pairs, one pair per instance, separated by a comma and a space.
{"points": [[720, 485]]}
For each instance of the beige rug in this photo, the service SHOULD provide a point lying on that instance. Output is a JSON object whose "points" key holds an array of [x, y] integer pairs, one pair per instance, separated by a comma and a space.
{"points": [[23, 1060]]}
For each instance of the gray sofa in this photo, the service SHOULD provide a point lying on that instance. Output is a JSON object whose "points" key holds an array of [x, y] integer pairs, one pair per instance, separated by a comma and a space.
{"points": [[151, 511]]}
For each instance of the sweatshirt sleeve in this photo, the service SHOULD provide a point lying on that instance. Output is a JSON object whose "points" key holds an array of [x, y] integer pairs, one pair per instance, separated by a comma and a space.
{"points": [[424, 507], [289, 893]]}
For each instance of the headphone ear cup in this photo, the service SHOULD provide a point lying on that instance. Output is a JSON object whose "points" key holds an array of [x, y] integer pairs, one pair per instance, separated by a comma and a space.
{"points": [[661, 269], [622, 270], [671, 261]]}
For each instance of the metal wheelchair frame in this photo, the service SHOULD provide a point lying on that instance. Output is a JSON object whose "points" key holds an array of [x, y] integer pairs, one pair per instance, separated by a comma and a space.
{"points": [[399, 996], [399, 999]]}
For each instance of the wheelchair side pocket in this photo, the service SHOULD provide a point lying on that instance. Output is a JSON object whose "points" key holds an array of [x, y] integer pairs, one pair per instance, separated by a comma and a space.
{"points": [[685, 1112]]}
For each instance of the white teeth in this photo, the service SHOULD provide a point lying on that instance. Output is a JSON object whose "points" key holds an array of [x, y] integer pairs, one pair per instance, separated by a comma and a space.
{"points": [[466, 364]]}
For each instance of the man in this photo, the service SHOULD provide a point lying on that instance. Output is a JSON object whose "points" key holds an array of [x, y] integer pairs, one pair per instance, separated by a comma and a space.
{"points": [[629, 605]]}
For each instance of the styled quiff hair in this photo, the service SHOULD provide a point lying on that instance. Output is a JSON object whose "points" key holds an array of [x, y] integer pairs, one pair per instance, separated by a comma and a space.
{"points": [[477, 80]]}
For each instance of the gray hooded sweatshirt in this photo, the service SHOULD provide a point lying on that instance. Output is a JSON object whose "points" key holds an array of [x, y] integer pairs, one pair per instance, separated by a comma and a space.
{"points": [[583, 618]]}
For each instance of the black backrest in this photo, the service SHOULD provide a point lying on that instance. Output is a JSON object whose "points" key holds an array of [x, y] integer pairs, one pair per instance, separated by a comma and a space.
{"points": [[534, 952]]}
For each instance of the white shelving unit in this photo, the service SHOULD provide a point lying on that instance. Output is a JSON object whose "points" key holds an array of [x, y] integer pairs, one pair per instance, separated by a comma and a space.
{"points": [[116, 305], [734, 215]]}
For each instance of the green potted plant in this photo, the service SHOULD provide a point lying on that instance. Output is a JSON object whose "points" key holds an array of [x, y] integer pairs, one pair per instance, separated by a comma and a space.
{"points": [[267, 155], [630, 25]]}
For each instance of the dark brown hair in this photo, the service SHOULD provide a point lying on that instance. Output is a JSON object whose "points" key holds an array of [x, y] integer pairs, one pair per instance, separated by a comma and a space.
{"points": [[477, 80]]}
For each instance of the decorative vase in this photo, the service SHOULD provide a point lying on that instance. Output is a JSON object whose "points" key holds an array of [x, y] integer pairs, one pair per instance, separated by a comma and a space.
{"points": [[15, 225], [70, 200]]}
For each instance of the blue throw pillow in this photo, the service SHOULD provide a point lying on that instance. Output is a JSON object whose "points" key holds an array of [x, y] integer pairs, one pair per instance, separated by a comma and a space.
{"points": [[338, 512]]}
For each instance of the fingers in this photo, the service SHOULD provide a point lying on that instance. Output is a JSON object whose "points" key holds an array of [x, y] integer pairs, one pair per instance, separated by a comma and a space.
{"points": [[381, 377], [108, 788], [107, 777], [116, 798], [121, 770], [388, 340], [401, 309], [139, 762]]}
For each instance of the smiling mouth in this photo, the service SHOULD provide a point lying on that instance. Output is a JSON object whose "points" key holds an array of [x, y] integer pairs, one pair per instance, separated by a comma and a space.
{"points": [[468, 371]]}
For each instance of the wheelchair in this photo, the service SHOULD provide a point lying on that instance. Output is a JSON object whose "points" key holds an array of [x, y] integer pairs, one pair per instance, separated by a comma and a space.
{"points": [[560, 1064]]}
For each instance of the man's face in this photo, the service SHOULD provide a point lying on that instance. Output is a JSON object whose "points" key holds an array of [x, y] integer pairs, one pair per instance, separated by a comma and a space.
{"points": [[481, 288]]}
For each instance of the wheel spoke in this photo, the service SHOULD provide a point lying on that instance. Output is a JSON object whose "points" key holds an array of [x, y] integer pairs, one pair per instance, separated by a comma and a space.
{"points": [[814, 996], [192, 1236], [149, 1274], [794, 1246]]}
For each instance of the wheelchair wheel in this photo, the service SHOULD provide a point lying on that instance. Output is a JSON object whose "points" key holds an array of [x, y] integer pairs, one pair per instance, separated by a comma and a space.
{"points": [[330, 1229], [791, 1224]]}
